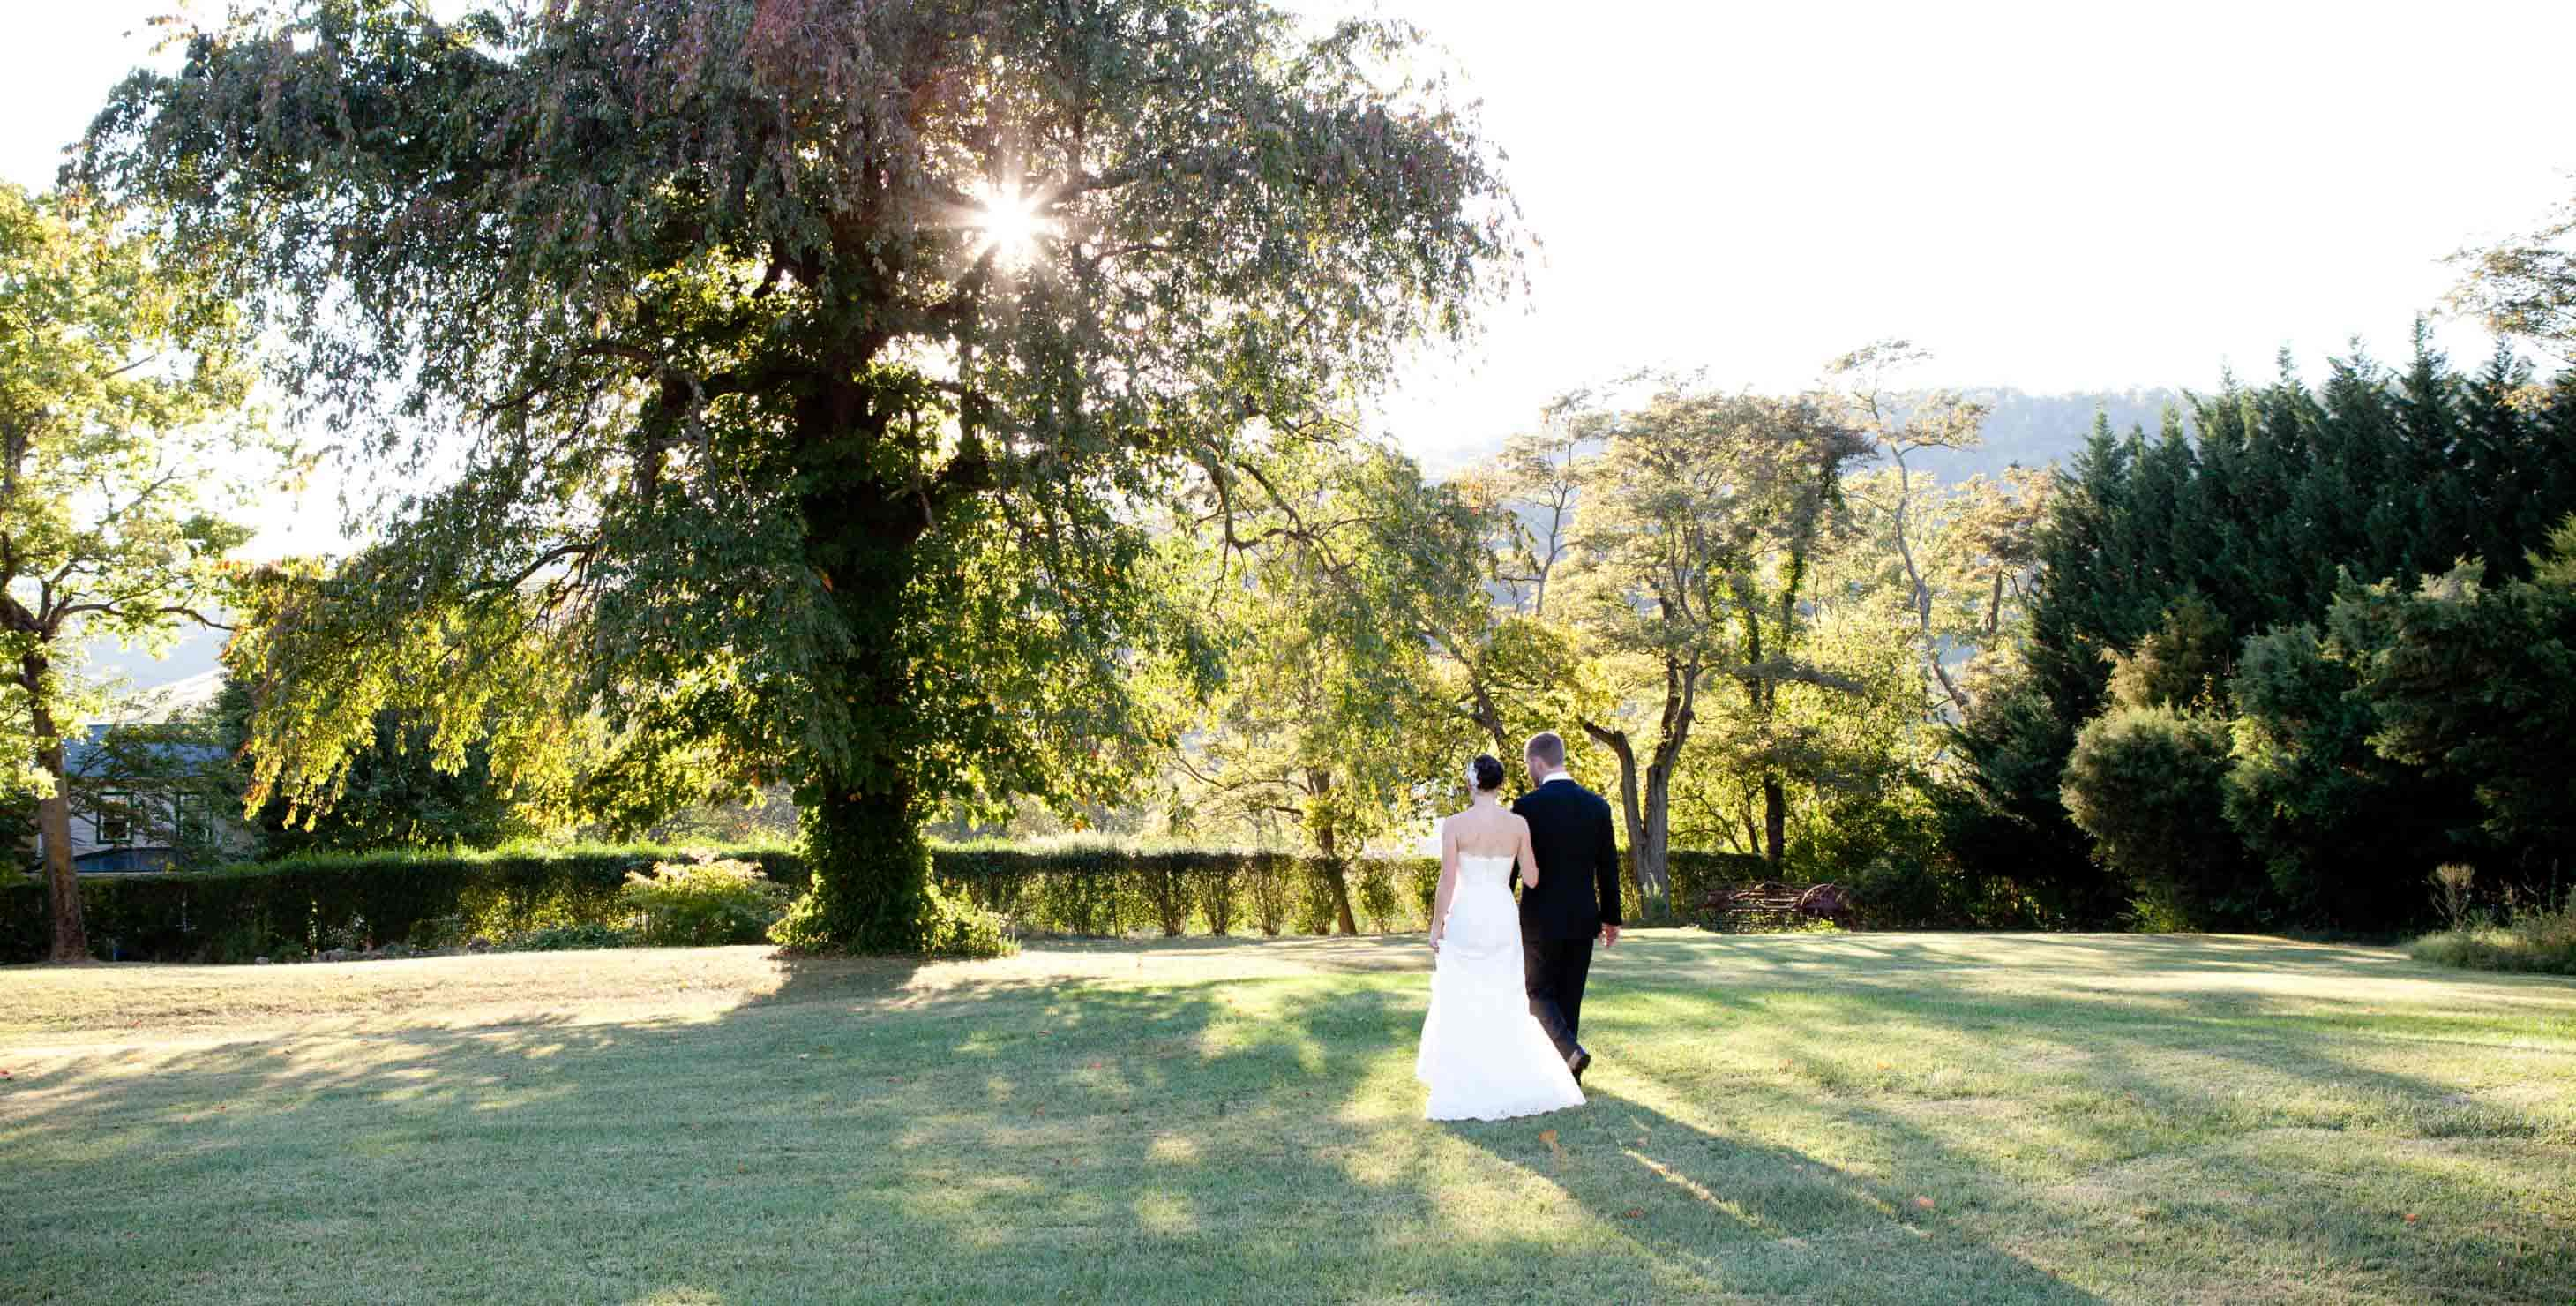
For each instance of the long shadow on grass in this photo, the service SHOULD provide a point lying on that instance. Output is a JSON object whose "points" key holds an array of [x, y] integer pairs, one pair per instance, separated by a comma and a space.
{"points": [[1008, 1138], [1745, 1217], [2152, 1114], [1011, 1139]]}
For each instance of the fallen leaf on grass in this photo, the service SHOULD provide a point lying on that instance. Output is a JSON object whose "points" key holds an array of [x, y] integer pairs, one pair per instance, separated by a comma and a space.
{"points": [[1922, 1203], [1632, 1213], [2410, 1217]]}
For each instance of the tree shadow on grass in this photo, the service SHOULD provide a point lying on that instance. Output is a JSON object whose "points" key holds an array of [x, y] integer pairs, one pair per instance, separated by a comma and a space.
{"points": [[1006, 1139], [880, 1129], [2125, 953], [1741, 1217], [2134, 1123]]}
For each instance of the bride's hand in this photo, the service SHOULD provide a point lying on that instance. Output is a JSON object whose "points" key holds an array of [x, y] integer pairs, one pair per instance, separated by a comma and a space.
{"points": [[1435, 943]]}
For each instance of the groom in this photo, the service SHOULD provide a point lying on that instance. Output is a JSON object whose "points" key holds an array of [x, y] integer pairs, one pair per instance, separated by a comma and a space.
{"points": [[1577, 898]]}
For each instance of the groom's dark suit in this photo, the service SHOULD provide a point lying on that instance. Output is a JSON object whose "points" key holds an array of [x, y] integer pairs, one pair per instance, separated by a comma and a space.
{"points": [[1578, 892]]}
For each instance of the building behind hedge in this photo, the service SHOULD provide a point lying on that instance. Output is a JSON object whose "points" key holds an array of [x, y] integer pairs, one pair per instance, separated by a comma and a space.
{"points": [[150, 798]]}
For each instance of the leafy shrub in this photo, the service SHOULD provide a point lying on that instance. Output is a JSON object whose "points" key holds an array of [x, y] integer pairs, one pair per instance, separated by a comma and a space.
{"points": [[2149, 784], [948, 924], [580, 937], [2514, 936], [351, 935], [703, 902], [450, 931], [955, 927], [2533, 942]]}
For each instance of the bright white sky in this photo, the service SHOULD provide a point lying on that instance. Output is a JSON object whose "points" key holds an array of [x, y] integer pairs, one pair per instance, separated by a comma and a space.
{"points": [[2052, 196]]}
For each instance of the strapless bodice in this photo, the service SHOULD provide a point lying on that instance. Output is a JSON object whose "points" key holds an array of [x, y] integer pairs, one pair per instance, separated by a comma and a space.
{"points": [[1484, 872]]}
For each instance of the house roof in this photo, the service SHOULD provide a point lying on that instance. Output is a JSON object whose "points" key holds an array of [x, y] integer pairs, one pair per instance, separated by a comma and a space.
{"points": [[88, 753]]}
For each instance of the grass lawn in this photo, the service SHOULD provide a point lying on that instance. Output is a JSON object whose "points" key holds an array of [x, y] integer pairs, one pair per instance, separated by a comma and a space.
{"points": [[1876, 1117]]}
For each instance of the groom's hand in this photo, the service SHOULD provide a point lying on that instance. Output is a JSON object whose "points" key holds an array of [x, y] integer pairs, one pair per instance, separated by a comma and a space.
{"points": [[1609, 936]]}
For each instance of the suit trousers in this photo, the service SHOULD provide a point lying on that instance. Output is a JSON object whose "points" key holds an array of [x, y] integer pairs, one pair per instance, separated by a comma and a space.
{"points": [[1555, 969]]}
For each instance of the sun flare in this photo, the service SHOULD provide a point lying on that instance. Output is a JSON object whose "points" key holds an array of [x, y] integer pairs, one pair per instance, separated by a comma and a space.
{"points": [[1012, 227]]}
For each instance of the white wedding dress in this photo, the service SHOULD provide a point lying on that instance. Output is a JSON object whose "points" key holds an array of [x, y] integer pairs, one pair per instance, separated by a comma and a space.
{"points": [[1483, 1054]]}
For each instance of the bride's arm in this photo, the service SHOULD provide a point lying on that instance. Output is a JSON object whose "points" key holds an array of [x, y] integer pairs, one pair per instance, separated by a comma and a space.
{"points": [[1448, 885], [1528, 859]]}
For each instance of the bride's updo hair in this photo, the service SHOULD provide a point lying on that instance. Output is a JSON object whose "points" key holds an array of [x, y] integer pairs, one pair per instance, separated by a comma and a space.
{"points": [[1486, 772]]}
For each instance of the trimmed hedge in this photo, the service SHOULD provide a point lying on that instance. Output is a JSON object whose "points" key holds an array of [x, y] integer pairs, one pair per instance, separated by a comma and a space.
{"points": [[1111, 891], [305, 905]]}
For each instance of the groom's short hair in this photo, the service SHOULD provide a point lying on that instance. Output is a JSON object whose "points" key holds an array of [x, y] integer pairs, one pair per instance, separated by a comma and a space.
{"points": [[1547, 746]]}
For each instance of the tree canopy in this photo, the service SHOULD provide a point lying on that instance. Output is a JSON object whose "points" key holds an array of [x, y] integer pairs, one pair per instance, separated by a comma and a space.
{"points": [[787, 380], [119, 395]]}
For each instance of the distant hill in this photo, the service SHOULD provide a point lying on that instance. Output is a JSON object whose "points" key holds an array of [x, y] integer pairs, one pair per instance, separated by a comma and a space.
{"points": [[194, 659], [2035, 430], [2028, 429]]}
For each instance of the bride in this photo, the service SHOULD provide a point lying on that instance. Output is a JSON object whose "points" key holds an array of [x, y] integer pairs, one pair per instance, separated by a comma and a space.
{"points": [[1483, 1054]]}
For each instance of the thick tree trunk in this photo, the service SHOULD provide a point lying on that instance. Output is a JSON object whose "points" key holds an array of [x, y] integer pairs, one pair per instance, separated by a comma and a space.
{"points": [[871, 869], [1341, 883], [860, 802], [1775, 820], [1631, 813], [62, 886], [54, 822], [1645, 810], [1649, 857]]}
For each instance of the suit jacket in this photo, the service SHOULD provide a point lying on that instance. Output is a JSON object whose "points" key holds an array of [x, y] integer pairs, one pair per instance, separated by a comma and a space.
{"points": [[1578, 862]]}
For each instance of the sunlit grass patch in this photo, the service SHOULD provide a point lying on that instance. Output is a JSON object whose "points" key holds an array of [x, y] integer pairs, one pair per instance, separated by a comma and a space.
{"points": [[1858, 1117]]}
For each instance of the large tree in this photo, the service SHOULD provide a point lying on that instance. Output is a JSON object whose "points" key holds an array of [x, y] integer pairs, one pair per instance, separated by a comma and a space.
{"points": [[1509, 664], [2525, 285], [1902, 428], [1332, 714], [1700, 515], [2256, 516], [118, 408], [810, 364], [2477, 684]]}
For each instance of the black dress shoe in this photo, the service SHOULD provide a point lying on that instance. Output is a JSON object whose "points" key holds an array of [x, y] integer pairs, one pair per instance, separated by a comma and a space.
{"points": [[1578, 1063]]}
